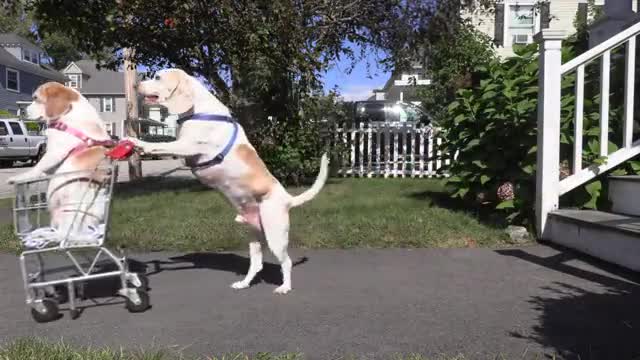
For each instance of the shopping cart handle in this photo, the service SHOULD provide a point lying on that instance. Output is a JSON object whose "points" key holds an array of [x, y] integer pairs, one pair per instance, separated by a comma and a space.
{"points": [[122, 150]]}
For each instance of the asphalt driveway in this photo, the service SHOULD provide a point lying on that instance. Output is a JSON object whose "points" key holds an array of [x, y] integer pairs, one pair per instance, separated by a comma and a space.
{"points": [[478, 302]]}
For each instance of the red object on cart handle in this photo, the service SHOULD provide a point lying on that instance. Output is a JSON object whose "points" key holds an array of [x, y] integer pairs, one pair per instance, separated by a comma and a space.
{"points": [[122, 150]]}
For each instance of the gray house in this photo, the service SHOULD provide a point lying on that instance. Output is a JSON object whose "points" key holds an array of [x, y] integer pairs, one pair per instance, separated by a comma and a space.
{"points": [[402, 86], [105, 91], [103, 88], [23, 68]]}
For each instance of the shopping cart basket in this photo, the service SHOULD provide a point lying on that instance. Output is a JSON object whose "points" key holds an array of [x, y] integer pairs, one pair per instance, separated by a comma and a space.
{"points": [[68, 214]]}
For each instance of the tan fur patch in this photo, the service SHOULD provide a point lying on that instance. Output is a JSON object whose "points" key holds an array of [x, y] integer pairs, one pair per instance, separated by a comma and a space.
{"points": [[89, 159], [57, 99], [258, 179]]}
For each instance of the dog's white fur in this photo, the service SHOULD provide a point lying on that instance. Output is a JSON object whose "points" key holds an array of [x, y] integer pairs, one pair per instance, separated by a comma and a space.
{"points": [[53, 101], [261, 201]]}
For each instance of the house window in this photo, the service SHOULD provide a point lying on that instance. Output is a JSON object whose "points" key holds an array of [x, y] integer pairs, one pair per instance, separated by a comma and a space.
{"points": [[30, 56], [74, 81], [112, 129], [521, 24], [106, 104], [13, 80]]}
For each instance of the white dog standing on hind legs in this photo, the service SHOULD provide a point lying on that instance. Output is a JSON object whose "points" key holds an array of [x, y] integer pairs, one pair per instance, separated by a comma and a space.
{"points": [[220, 156]]}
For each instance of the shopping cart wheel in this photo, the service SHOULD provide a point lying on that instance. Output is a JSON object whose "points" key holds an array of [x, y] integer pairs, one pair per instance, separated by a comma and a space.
{"points": [[60, 294], [74, 314], [48, 311], [142, 306], [144, 281]]}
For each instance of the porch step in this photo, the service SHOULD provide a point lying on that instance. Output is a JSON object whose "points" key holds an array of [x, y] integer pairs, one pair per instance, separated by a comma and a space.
{"points": [[624, 194], [611, 237]]}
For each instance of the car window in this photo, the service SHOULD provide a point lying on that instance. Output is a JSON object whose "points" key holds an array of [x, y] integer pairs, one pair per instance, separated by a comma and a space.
{"points": [[371, 112], [15, 127], [3, 129]]}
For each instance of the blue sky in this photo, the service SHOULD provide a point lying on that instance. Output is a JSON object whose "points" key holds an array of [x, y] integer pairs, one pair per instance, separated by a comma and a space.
{"points": [[355, 85], [358, 84]]}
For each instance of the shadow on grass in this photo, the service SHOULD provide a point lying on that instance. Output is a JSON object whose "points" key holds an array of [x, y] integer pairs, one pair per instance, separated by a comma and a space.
{"points": [[151, 185], [598, 321], [160, 184], [443, 200], [236, 264]]}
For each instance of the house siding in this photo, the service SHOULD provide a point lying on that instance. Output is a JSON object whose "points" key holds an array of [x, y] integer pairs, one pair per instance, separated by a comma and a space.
{"points": [[563, 14], [117, 116], [28, 84]]}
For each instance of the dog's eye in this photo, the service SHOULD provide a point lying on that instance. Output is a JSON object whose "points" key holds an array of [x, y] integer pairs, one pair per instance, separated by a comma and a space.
{"points": [[157, 77]]}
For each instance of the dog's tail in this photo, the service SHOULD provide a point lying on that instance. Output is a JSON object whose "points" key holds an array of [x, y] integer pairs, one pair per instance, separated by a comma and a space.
{"points": [[321, 179]]}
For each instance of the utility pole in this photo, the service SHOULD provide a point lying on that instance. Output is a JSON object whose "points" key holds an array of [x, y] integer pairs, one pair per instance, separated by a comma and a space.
{"points": [[130, 79]]}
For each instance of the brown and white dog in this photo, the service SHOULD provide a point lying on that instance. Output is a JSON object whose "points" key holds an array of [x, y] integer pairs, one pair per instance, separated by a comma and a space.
{"points": [[75, 153], [261, 201]]}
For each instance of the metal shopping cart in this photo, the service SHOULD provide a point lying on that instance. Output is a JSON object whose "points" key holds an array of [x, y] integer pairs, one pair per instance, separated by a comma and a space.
{"points": [[68, 215]]}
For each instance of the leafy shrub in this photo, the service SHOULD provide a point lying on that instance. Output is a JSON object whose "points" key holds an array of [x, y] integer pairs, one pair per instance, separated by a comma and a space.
{"points": [[5, 114], [291, 148], [32, 126], [493, 125]]}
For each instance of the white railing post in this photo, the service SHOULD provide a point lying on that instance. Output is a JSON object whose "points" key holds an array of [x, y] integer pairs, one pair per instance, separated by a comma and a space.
{"points": [[548, 152]]}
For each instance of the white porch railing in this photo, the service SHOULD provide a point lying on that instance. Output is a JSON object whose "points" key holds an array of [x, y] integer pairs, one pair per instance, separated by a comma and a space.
{"points": [[390, 151], [549, 187]]}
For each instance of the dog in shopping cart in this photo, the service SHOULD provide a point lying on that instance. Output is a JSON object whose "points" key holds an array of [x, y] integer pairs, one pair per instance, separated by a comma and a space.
{"points": [[219, 154], [76, 148]]}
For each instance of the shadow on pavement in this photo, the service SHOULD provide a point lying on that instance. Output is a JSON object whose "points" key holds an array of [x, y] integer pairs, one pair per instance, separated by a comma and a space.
{"points": [[579, 323], [236, 264]]}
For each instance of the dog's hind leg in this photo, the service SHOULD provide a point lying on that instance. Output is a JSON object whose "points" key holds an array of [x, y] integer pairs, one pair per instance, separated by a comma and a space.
{"points": [[275, 224]]}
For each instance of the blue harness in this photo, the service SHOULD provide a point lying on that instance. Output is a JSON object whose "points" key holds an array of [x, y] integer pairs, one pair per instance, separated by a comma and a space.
{"points": [[225, 151]]}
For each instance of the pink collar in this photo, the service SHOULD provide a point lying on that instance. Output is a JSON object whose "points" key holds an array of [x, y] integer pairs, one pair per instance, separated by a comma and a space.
{"points": [[86, 140]]}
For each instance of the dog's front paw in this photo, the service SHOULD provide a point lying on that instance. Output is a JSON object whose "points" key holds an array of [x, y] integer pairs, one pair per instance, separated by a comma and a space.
{"points": [[136, 143], [239, 285], [281, 290]]}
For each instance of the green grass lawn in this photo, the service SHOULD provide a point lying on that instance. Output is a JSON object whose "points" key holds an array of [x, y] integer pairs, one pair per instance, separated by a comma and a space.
{"points": [[182, 215], [36, 349]]}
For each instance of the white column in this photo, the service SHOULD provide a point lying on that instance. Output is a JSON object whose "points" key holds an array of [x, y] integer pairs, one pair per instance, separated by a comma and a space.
{"points": [[548, 155]]}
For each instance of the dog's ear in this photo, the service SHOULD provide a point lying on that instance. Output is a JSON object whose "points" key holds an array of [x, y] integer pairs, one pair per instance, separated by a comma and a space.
{"points": [[181, 99], [57, 99]]}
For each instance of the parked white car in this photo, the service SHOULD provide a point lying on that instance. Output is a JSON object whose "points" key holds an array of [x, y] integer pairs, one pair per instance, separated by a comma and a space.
{"points": [[18, 144]]}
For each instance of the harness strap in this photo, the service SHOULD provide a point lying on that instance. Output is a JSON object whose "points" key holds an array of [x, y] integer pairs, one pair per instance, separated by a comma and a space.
{"points": [[59, 125], [225, 151]]}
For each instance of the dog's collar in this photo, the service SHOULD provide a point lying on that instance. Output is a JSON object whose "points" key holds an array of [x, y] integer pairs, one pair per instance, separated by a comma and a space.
{"points": [[227, 148]]}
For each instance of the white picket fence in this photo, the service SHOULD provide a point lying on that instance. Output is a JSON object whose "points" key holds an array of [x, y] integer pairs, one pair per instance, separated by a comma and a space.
{"points": [[390, 151]]}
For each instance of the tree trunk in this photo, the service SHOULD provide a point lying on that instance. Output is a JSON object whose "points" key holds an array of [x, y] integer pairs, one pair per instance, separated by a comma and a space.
{"points": [[130, 79]]}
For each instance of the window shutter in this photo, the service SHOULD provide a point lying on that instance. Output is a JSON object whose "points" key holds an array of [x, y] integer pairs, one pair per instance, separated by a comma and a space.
{"points": [[499, 25], [583, 13], [545, 15], [101, 104], [113, 104]]}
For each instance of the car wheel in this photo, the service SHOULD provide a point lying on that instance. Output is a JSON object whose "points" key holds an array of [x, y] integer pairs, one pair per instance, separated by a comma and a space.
{"points": [[39, 156]]}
